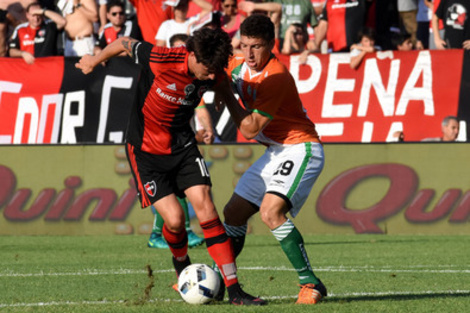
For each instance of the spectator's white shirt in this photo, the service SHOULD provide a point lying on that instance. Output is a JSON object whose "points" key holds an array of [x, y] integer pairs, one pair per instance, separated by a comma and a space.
{"points": [[170, 27]]}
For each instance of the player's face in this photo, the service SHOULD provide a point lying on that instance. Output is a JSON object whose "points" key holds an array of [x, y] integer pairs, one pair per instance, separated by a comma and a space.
{"points": [[116, 16], [256, 52], [199, 70]]}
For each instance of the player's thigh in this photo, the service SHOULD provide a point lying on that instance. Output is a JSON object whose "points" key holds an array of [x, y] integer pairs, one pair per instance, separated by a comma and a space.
{"points": [[252, 185], [201, 200], [152, 174], [191, 171], [238, 210], [171, 211]]}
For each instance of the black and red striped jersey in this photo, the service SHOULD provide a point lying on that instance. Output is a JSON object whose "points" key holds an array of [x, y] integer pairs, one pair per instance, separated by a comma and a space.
{"points": [[40, 42], [166, 98], [345, 21], [109, 34]]}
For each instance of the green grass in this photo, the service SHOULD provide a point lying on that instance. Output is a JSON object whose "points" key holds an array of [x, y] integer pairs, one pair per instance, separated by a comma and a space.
{"points": [[363, 273]]}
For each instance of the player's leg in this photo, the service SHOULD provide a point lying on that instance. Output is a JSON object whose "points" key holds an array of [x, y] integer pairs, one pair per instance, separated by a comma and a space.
{"points": [[297, 167], [218, 244], [174, 230], [193, 239], [156, 239]]}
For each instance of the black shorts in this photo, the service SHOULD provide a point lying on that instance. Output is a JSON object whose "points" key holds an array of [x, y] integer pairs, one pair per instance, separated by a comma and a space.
{"points": [[157, 176]]}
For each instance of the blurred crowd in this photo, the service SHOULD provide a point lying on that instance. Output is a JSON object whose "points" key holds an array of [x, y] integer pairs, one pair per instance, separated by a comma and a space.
{"points": [[39, 28]]}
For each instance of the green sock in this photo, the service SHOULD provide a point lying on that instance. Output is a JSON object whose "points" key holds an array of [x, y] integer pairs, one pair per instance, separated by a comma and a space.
{"points": [[184, 204], [293, 245], [157, 223]]}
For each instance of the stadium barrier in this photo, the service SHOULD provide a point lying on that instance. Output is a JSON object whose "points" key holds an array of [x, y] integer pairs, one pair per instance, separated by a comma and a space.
{"points": [[53, 102], [409, 188]]}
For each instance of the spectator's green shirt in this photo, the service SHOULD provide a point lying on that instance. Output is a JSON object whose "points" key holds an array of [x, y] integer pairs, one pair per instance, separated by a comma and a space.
{"points": [[296, 11]]}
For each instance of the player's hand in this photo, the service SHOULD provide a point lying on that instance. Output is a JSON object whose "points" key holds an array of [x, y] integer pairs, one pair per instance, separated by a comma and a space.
{"points": [[208, 137], [27, 57], [85, 64], [246, 6]]}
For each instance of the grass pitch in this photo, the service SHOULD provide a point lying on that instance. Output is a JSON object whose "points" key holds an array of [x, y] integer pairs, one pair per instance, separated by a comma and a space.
{"points": [[363, 273]]}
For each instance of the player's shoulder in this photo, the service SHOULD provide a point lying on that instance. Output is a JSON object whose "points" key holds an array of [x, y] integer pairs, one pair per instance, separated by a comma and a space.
{"points": [[236, 60], [168, 57], [276, 66]]}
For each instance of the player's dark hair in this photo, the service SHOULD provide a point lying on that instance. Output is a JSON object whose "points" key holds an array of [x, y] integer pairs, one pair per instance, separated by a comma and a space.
{"points": [[178, 37], [115, 3], [212, 48], [258, 26]]}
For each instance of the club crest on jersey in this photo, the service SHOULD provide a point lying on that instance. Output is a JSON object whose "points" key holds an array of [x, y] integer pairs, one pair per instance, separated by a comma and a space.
{"points": [[151, 188], [189, 89]]}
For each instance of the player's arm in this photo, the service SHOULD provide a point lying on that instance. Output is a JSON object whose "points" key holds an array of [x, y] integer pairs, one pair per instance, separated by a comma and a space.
{"points": [[206, 132], [250, 124], [88, 62]]}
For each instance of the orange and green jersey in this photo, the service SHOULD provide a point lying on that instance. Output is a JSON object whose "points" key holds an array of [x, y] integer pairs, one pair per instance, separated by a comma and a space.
{"points": [[273, 93]]}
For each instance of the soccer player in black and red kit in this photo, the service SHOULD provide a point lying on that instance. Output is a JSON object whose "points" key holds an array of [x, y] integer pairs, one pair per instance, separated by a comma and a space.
{"points": [[161, 146]]}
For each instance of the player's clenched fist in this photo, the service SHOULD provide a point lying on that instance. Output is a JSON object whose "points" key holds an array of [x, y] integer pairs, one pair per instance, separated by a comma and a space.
{"points": [[86, 64]]}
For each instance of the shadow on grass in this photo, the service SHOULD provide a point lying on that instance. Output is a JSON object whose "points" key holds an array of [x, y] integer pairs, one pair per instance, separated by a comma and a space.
{"points": [[397, 297]]}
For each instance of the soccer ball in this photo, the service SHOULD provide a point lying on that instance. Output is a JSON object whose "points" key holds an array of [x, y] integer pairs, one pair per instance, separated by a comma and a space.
{"points": [[198, 284]]}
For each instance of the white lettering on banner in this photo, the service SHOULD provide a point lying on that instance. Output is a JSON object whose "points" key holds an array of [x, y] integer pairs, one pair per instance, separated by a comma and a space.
{"points": [[309, 84], [423, 67], [333, 84], [69, 121], [47, 101], [367, 132], [329, 129], [372, 78], [110, 82], [26, 106], [8, 87]]}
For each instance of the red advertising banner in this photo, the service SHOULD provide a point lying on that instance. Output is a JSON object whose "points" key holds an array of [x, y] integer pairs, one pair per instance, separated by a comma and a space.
{"points": [[52, 102], [390, 91]]}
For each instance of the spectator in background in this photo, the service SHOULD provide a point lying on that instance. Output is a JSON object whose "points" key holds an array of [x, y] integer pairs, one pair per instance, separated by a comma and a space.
{"points": [[423, 18], [318, 6], [455, 14], [102, 18], [402, 42], [79, 31], [341, 23], [231, 18], [150, 15], [37, 37], [296, 40], [284, 13], [3, 32], [118, 26], [180, 24], [450, 130], [408, 9], [433, 8], [366, 45]]}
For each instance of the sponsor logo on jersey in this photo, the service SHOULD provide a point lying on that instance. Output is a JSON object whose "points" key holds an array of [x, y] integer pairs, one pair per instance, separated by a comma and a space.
{"points": [[170, 98], [151, 188], [172, 87]]}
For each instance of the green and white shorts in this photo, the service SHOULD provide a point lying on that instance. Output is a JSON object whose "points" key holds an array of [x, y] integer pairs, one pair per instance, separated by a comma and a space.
{"points": [[288, 171]]}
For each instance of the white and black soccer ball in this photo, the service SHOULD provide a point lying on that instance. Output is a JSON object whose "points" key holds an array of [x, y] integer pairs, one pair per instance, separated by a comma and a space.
{"points": [[198, 284]]}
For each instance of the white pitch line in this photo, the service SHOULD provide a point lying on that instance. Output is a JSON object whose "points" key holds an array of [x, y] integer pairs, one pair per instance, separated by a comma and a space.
{"points": [[349, 269], [330, 296]]}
